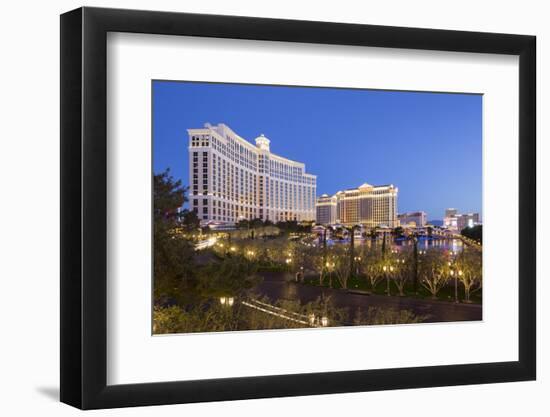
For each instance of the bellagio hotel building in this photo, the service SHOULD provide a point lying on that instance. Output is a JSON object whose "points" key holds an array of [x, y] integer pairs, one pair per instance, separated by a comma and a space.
{"points": [[231, 179]]}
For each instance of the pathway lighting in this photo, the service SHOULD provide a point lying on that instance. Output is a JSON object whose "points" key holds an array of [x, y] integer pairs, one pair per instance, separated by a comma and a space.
{"points": [[386, 269], [227, 301], [456, 284]]}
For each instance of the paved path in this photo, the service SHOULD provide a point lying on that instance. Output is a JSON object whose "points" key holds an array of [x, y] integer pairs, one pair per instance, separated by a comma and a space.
{"points": [[275, 287]]}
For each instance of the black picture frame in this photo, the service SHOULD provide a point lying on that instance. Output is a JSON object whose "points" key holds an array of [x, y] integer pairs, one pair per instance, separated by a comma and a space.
{"points": [[84, 207]]}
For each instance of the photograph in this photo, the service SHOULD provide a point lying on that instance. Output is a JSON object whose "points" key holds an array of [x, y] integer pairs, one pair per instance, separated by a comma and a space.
{"points": [[285, 207]]}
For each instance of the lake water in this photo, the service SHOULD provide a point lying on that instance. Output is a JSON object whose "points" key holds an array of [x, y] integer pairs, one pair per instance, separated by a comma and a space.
{"points": [[455, 245]]}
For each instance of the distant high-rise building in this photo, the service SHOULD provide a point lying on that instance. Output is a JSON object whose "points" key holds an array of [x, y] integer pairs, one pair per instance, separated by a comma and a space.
{"points": [[467, 220], [231, 179], [368, 205], [326, 209], [455, 221], [450, 212], [414, 219], [449, 221]]}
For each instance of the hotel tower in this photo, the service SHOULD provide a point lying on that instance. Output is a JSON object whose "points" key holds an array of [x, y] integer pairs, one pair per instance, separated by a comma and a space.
{"points": [[368, 205], [231, 179]]}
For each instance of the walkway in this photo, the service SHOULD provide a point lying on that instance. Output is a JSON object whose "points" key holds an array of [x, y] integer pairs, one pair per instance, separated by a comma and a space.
{"points": [[276, 287]]}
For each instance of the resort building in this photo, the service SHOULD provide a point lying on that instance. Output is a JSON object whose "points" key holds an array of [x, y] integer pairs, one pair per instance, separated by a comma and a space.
{"points": [[450, 221], [455, 221], [368, 205], [326, 209], [232, 179], [413, 219], [450, 212], [467, 220]]}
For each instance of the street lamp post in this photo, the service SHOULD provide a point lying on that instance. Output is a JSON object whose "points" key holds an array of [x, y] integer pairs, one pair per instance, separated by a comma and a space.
{"points": [[455, 275], [386, 270], [330, 267], [357, 260], [456, 284], [300, 275], [391, 272]]}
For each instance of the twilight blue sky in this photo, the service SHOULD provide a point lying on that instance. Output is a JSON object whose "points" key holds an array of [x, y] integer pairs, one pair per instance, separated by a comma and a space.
{"points": [[427, 144]]}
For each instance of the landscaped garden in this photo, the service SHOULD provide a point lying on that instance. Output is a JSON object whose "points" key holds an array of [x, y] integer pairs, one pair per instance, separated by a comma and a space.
{"points": [[215, 288]]}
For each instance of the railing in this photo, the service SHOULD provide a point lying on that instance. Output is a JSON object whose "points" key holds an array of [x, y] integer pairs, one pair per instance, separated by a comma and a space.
{"points": [[281, 313]]}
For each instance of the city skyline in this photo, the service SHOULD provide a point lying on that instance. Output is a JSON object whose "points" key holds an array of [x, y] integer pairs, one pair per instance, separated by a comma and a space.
{"points": [[427, 144]]}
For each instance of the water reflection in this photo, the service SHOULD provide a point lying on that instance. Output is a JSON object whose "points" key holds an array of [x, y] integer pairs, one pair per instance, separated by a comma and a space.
{"points": [[455, 245]]}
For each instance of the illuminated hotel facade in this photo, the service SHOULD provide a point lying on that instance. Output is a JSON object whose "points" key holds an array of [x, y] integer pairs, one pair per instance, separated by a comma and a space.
{"points": [[413, 219], [368, 205], [326, 209], [456, 221], [231, 179]]}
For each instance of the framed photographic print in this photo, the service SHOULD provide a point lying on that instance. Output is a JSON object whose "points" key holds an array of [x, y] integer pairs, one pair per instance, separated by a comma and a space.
{"points": [[258, 207]]}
